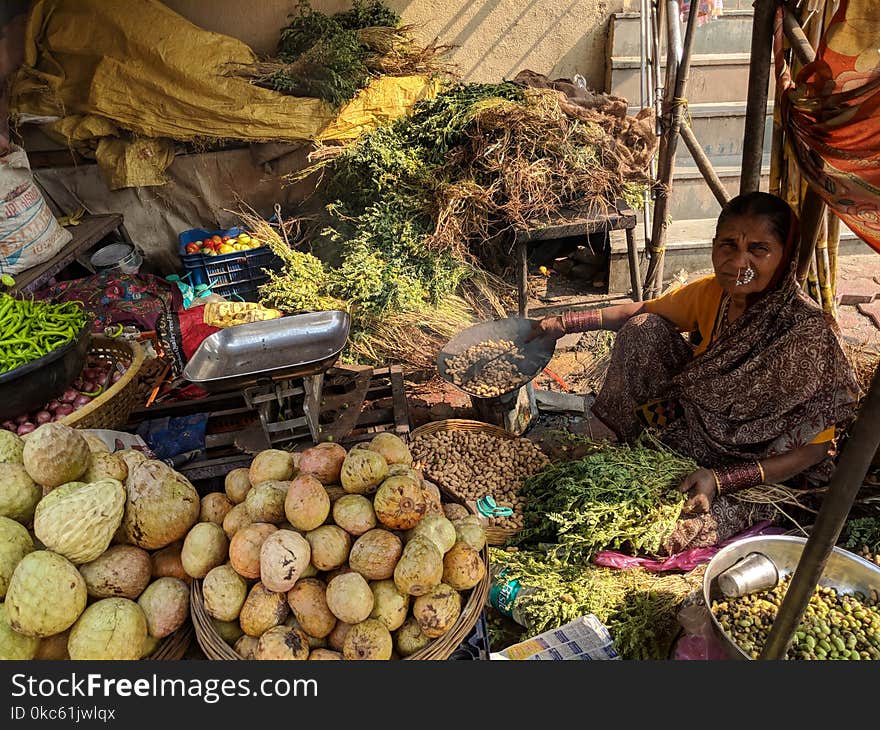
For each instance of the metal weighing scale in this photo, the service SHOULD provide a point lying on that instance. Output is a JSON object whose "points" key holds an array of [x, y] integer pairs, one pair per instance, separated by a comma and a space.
{"points": [[276, 363], [515, 409]]}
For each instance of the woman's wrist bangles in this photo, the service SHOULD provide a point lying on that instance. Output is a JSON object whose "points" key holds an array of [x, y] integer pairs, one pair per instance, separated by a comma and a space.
{"points": [[736, 477], [589, 319]]}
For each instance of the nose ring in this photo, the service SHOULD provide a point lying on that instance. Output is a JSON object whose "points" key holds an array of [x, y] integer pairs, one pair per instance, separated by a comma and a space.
{"points": [[747, 276]]}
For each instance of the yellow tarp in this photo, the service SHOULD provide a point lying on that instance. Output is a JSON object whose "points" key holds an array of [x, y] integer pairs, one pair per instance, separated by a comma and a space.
{"points": [[136, 69]]}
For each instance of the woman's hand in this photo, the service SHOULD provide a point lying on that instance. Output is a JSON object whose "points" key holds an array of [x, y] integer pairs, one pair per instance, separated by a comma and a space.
{"points": [[700, 488], [551, 327]]}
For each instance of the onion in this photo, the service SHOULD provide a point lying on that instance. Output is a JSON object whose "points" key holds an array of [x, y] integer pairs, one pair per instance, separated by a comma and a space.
{"points": [[9, 425], [22, 419], [89, 373], [68, 395], [116, 376], [25, 428], [77, 384], [81, 400], [64, 409], [53, 404], [42, 417]]}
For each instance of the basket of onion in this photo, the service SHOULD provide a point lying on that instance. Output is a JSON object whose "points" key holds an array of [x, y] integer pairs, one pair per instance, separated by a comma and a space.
{"points": [[102, 396]]}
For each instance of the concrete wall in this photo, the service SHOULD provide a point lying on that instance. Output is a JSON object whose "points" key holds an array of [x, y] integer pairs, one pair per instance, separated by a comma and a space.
{"points": [[495, 38]]}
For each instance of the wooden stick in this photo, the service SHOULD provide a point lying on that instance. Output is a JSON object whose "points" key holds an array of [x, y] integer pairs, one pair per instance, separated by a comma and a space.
{"points": [[756, 104], [158, 386], [704, 165], [822, 268], [812, 212], [654, 275], [813, 283], [802, 47], [833, 248]]}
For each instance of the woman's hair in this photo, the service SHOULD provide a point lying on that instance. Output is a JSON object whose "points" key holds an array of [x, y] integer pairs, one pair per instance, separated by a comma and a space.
{"points": [[775, 210], [782, 220]]}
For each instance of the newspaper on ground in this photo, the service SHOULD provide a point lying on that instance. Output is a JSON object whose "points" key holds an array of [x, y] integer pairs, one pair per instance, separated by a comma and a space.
{"points": [[585, 638]]}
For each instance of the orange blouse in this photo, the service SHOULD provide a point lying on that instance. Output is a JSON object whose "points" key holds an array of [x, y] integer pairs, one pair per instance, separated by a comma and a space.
{"points": [[694, 308]]}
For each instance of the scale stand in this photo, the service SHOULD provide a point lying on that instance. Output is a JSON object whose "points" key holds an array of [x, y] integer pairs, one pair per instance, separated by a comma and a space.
{"points": [[330, 405], [270, 399]]}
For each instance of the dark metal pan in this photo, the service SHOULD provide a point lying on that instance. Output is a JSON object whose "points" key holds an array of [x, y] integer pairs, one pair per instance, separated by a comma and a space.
{"points": [[537, 352]]}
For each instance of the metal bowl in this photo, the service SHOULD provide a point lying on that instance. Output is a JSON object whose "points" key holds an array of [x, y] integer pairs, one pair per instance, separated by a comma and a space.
{"points": [[844, 571], [538, 352]]}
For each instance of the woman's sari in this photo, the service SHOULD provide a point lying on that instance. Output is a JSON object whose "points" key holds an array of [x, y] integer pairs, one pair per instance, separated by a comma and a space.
{"points": [[775, 379]]}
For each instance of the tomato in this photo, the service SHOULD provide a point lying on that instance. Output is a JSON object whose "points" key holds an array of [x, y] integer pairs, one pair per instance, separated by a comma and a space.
{"points": [[192, 247]]}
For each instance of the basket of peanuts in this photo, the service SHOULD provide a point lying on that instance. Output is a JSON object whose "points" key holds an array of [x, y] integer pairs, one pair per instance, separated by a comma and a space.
{"points": [[475, 460]]}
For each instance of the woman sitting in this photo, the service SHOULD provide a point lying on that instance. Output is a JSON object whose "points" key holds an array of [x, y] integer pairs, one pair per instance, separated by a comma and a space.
{"points": [[757, 399]]}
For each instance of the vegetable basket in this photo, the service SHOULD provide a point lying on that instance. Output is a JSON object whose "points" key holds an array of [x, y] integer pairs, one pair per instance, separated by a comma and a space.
{"points": [[443, 647], [111, 409], [494, 535], [174, 647]]}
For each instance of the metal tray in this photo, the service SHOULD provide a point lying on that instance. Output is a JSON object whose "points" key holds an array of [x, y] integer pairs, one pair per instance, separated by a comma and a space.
{"points": [[288, 347], [538, 352], [844, 571]]}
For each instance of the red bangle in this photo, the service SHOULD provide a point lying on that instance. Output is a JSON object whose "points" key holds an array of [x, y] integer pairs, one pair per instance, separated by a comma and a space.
{"points": [[589, 319], [736, 477]]}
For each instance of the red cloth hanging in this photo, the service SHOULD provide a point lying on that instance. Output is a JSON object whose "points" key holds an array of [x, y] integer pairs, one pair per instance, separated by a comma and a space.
{"points": [[831, 114]]}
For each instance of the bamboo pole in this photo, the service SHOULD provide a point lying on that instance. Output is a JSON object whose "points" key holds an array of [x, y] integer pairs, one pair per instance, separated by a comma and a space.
{"points": [[822, 269], [704, 165], [756, 105], [802, 47], [677, 103], [813, 283], [833, 247], [812, 213], [777, 152]]}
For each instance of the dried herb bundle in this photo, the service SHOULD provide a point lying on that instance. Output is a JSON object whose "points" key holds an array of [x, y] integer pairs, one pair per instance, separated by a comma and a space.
{"points": [[423, 205], [332, 57]]}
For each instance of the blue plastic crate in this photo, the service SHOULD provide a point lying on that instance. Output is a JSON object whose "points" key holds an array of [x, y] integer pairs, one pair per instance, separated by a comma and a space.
{"points": [[234, 275]]}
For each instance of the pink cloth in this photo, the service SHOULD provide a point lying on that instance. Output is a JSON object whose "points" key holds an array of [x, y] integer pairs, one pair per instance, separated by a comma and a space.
{"points": [[706, 10], [684, 561]]}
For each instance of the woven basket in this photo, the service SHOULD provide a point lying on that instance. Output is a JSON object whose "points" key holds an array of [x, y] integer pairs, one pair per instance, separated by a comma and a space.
{"points": [[174, 647], [111, 409], [441, 648], [494, 535]]}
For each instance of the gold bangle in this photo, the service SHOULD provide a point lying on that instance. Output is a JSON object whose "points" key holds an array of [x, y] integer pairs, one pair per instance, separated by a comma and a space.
{"points": [[761, 469], [717, 483], [600, 319]]}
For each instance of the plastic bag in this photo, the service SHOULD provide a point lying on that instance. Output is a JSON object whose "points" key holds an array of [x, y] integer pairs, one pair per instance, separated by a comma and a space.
{"points": [[684, 561]]}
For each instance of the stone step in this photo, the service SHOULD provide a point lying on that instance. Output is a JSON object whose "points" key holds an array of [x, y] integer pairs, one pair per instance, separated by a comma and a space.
{"points": [[731, 33], [720, 128], [689, 247], [714, 77], [691, 197]]}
